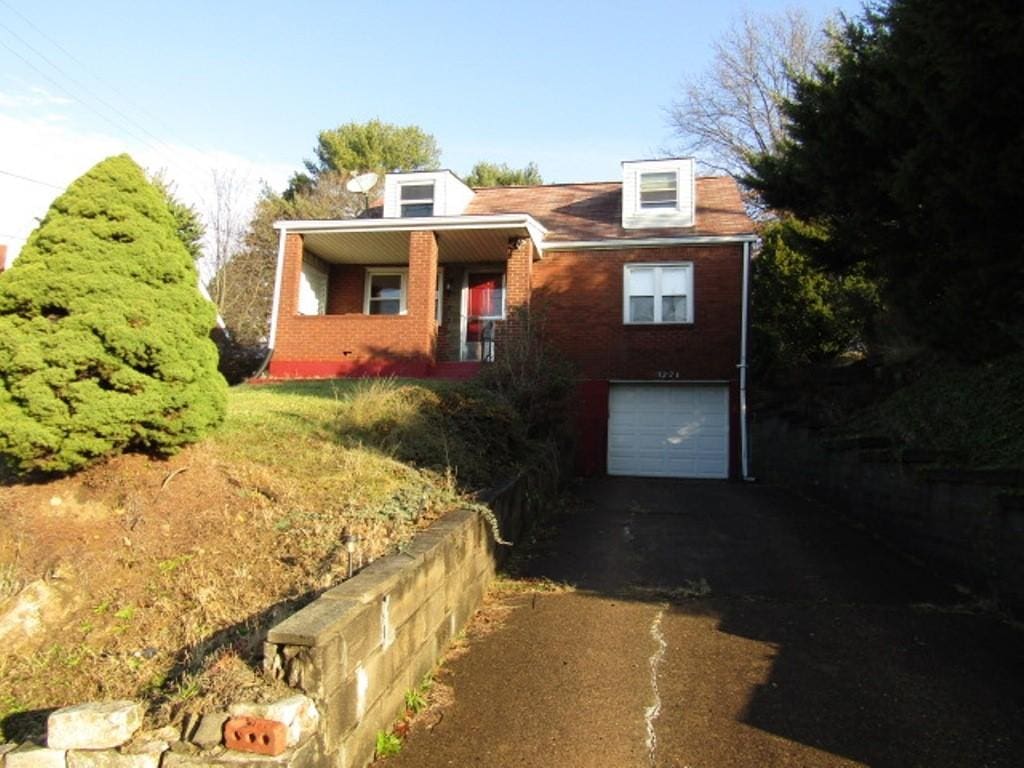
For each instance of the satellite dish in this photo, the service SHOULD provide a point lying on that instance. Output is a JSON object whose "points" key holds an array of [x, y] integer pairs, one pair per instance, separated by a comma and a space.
{"points": [[362, 183]]}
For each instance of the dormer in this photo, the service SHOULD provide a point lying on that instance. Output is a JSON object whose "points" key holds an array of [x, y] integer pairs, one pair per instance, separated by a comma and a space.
{"points": [[657, 193], [424, 193]]}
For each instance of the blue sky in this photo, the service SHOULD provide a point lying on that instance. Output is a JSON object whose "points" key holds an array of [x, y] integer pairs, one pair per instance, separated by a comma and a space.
{"points": [[245, 86]]}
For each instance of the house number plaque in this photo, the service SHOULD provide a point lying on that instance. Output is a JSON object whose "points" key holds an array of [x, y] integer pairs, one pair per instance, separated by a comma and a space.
{"points": [[668, 374]]}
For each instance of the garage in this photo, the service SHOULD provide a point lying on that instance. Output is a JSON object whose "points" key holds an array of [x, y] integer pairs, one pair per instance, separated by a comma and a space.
{"points": [[657, 430]]}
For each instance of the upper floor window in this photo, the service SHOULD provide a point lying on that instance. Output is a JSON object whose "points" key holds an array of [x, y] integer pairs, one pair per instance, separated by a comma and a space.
{"points": [[658, 190], [417, 200], [658, 193], [658, 293]]}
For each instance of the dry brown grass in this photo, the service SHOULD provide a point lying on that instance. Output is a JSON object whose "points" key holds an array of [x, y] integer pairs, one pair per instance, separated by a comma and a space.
{"points": [[171, 571]]}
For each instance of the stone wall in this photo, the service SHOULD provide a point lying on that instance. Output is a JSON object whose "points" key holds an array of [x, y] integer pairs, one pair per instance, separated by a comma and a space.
{"points": [[362, 645], [108, 734], [966, 525]]}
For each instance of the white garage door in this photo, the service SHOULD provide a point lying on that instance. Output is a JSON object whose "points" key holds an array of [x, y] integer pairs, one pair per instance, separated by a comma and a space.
{"points": [[668, 431]]}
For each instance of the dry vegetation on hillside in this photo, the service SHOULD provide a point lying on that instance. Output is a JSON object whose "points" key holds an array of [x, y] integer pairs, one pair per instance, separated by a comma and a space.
{"points": [[158, 579]]}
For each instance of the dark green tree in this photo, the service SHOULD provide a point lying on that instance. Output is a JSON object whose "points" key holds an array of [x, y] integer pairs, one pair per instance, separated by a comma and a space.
{"points": [[908, 150], [104, 337], [375, 146], [486, 174], [801, 312]]}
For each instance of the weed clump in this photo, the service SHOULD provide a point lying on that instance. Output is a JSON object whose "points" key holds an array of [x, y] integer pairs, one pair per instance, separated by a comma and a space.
{"points": [[461, 429]]}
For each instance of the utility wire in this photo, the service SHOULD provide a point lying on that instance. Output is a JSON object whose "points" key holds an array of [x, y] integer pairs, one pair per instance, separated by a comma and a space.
{"points": [[85, 69], [84, 88], [165, 150], [71, 95], [27, 178]]}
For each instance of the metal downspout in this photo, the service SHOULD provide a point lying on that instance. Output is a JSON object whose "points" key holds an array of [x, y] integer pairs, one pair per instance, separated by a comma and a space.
{"points": [[278, 275], [745, 314]]}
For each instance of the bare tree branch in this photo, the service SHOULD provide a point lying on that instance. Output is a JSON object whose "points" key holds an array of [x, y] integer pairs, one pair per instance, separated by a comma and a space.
{"points": [[734, 109]]}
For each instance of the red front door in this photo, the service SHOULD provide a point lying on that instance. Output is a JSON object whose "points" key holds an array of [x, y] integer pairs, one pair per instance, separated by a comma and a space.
{"points": [[485, 303]]}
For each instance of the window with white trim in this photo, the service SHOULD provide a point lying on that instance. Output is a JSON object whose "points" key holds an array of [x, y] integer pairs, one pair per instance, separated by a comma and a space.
{"points": [[385, 292], [659, 190], [657, 293], [658, 193], [417, 200]]}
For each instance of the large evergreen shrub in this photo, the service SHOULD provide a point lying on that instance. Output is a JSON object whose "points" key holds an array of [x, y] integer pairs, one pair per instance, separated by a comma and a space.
{"points": [[104, 337]]}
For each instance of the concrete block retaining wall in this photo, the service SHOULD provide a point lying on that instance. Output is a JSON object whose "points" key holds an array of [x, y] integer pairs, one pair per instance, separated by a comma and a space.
{"points": [[354, 652], [967, 525], [362, 645]]}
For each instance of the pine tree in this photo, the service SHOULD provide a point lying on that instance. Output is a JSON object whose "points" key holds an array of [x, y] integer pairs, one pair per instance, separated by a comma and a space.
{"points": [[104, 337]]}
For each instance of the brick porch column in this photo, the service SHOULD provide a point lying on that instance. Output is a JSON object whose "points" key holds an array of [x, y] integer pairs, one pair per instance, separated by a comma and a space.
{"points": [[291, 274], [518, 286], [422, 297]]}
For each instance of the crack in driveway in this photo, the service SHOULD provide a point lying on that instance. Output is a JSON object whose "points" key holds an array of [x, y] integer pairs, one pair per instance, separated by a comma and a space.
{"points": [[652, 712]]}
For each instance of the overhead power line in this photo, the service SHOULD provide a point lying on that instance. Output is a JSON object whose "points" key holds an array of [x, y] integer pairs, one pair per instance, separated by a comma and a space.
{"points": [[90, 107], [128, 124], [83, 67], [78, 84], [28, 178]]}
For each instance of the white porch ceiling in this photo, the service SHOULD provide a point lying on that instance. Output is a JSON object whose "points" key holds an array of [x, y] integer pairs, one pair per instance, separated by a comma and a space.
{"points": [[383, 247]]}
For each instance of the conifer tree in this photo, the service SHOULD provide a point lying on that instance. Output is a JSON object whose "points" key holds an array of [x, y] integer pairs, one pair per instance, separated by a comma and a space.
{"points": [[104, 337]]}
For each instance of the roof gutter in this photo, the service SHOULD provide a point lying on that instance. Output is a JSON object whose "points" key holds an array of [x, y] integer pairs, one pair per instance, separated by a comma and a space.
{"points": [[491, 221], [618, 244]]}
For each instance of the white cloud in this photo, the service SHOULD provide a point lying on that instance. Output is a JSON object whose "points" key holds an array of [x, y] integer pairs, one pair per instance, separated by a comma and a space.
{"points": [[49, 148], [32, 97]]}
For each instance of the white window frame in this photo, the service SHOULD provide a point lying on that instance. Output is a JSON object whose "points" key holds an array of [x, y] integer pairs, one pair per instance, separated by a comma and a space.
{"points": [[432, 201], [656, 210], [371, 273], [681, 214], [658, 267]]}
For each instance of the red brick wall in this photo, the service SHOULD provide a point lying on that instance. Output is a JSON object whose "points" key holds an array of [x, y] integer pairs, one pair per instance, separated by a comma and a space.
{"points": [[518, 292], [579, 295], [347, 344], [346, 289]]}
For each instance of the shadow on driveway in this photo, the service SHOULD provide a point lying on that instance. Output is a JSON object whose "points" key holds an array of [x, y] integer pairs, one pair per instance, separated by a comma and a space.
{"points": [[731, 625]]}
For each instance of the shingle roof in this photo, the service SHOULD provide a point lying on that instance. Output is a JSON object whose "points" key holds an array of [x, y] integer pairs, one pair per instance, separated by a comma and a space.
{"points": [[593, 211]]}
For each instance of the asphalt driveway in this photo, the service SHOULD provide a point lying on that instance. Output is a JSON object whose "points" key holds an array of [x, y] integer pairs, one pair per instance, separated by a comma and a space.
{"points": [[717, 624]]}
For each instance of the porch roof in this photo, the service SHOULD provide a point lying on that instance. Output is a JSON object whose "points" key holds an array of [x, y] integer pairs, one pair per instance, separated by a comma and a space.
{"points": [[385, 241]]}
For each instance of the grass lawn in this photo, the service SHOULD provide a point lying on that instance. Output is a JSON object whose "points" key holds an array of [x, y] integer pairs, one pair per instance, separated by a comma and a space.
{"points": [[156, 579]]}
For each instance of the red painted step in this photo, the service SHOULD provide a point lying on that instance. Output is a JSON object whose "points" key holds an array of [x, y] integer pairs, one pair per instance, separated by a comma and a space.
{"points": [[456, 371]]}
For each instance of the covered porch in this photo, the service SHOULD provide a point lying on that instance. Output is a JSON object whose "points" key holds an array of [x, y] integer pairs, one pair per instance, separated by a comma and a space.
{"points": [[412, 297]]}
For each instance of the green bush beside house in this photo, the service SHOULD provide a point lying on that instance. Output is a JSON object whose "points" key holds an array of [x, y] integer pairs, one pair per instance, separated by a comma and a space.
{"points": [[104, 337]]}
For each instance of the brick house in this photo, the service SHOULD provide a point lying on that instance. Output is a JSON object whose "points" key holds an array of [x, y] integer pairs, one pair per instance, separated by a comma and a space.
{"points": [[642, 284]]}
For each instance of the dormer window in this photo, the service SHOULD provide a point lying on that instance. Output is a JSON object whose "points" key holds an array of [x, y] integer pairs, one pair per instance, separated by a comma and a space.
{"points": [[658, 193], [658, 190], [422, 194], [417, 200]]}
